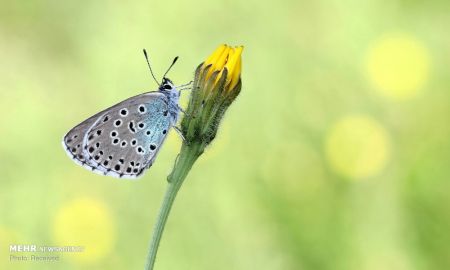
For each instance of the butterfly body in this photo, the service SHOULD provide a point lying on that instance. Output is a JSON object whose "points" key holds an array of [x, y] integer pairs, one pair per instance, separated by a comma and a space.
{"points": [[123, 140]]}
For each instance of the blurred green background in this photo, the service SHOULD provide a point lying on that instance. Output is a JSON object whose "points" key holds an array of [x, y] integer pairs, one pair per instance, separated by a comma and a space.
{"points": [[334, 156]]}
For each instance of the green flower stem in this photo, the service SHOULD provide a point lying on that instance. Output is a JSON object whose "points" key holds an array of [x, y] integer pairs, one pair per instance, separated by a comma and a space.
{"points": [[186, 159]]}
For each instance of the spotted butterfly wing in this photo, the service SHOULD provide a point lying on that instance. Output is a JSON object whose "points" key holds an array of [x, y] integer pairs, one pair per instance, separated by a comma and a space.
{"points": [[123, 140]]}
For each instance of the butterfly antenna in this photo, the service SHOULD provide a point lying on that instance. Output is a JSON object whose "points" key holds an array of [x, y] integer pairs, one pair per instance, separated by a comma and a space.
{"points": [[173, 63], [149, 67]]}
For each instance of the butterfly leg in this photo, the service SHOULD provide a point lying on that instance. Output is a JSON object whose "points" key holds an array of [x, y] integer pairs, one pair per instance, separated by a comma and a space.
{"points": [[185, 113], [181, 110], [178, 130], [186, 86]]}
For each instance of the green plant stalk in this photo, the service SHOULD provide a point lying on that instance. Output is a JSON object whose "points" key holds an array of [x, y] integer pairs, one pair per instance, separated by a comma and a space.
{"points": [[210, 98], [186, 159]]}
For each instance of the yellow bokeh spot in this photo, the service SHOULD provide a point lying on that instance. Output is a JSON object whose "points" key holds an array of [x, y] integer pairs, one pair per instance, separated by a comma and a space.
{"points": [[88, 223], [398, 66], [357, 147]]}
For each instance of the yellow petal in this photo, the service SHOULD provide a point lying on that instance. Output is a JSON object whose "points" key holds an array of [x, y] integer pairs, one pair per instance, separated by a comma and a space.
{"points": [[229, 56], [215, 55], [220, 63], [234, 67], [236, 74]]}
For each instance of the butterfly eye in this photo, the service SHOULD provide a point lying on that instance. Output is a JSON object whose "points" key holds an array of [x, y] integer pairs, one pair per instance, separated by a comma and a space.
{"points": [[167, 86]]}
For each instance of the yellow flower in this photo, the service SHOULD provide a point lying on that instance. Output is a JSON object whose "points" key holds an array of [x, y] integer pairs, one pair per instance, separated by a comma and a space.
{"points": [[225, 57], [217, 83]]}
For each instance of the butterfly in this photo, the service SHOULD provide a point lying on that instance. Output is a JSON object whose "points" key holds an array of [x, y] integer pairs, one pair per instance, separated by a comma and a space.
{"points": [[123, 141]]}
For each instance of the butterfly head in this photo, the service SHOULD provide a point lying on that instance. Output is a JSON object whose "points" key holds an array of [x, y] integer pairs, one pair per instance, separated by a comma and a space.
{"points": [[166, 85], [169, 89]]}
